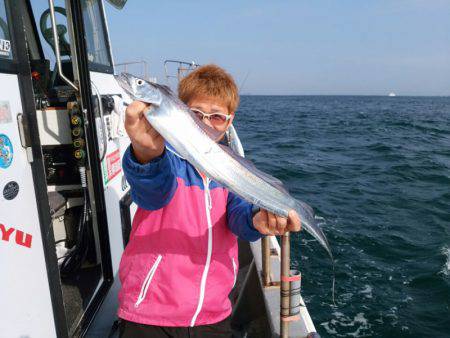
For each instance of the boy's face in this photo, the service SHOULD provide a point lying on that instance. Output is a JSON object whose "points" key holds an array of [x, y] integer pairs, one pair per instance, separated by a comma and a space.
{"points": [[210, 105]]}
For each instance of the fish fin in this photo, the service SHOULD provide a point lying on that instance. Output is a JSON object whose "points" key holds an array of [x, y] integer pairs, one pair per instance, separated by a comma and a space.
{"points": [[165, 89], [307, 208], [273, 181]]}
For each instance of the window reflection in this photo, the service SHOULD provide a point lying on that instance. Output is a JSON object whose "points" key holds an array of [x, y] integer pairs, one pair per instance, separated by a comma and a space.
{"points": [[5, 40], [97, 46]]}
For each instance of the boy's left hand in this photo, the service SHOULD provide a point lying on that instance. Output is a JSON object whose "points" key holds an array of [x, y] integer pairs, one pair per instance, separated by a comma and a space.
{"points": [[268, 223]]}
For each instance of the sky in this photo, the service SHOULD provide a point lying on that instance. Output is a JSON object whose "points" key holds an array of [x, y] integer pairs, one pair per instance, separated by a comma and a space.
{"points": [[315, 47]]}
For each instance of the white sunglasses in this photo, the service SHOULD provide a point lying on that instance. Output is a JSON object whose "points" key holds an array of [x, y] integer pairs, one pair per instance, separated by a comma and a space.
{"points": [[215, 118]]}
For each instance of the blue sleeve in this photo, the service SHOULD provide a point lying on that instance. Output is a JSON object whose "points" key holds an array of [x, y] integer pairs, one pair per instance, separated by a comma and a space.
{"points": [[240, 218], [152, 185]]}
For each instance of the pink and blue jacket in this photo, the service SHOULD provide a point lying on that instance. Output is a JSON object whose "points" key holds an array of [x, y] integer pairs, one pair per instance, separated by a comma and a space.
{"points": [[182, 258]]}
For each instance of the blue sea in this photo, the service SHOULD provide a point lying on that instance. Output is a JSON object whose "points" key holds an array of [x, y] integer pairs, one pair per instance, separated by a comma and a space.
{"points": [[377, 172]]}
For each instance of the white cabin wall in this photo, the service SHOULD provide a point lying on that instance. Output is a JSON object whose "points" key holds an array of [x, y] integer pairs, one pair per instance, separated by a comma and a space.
{"points": [[114, 189], [24, 288]]}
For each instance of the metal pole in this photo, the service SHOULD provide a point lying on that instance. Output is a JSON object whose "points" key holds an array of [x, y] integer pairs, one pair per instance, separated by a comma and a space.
{"points": [[285, 285], [56, 42], [265, 246], [102, 121]]}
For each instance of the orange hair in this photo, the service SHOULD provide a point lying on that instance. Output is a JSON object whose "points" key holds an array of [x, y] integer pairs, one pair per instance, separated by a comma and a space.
{"points": [[212, 81]]}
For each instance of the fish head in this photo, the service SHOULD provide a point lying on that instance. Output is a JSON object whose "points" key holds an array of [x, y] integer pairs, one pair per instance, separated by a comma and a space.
{"points": [[139, 89]]}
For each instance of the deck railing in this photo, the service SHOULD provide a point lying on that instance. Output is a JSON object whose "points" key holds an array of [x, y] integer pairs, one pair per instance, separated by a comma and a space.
{"points": [[289, 282]]}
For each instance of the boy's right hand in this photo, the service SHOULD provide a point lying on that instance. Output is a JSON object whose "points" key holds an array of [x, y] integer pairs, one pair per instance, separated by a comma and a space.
{"points": [[147, 142]]}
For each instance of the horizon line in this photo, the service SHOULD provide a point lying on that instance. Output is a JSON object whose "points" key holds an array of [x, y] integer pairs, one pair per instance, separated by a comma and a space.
{"points": [[377, 95]]}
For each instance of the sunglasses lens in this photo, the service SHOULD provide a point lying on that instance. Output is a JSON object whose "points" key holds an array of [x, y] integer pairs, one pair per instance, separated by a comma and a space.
{"points": [[218, 118], [198, 114]]}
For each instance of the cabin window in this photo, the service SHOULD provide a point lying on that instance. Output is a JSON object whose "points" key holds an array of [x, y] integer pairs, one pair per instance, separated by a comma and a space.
{"points": [[96, 36], [5, 36]]}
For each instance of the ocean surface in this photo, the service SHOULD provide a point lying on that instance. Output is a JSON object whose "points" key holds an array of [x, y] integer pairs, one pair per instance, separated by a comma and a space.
{"points": [[377, 172]]}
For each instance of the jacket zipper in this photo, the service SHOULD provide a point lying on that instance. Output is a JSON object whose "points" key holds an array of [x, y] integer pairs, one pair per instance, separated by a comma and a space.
{"points": [[208, 206], [147, 281], [234, 272]]}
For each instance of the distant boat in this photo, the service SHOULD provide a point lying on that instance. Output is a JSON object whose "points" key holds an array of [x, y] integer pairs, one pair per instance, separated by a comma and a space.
{"points": [[392, 94]]}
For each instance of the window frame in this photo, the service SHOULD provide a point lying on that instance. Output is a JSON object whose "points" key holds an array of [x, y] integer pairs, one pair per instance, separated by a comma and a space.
{"points": [[10, 66], [95, 66]]}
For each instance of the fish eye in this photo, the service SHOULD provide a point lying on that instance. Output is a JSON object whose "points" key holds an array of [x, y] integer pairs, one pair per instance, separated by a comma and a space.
{"points": [[140, 82]]}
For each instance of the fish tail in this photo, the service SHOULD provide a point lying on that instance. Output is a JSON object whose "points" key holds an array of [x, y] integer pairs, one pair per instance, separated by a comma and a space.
{"points": [[309, 223]]}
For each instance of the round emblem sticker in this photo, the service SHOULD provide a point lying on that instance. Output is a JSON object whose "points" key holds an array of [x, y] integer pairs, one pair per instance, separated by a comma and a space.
{"points": [[6, 151], [10, 190]]}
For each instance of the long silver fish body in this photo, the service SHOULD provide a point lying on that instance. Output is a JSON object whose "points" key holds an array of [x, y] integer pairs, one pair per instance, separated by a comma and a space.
{"points": [[197, 143]]}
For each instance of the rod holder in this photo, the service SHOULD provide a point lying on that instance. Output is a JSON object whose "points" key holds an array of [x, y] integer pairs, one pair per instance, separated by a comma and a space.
{"points": [[265, 247], [285, 285], [295, 298]]}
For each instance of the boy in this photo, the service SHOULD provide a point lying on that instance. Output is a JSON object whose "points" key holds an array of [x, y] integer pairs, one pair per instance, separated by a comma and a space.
{"points": [[182, 261]]}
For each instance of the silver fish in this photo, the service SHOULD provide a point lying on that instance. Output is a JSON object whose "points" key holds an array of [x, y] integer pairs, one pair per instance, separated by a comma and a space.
{"points": [[197, 143]]}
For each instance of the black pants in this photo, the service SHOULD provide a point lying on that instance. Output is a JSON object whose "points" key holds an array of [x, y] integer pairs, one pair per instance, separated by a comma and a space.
{"points": [[134, 330]]}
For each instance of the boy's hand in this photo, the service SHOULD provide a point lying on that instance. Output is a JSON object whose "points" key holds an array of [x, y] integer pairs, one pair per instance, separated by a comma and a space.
{"points": [[268, 223], [147, 142]]}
